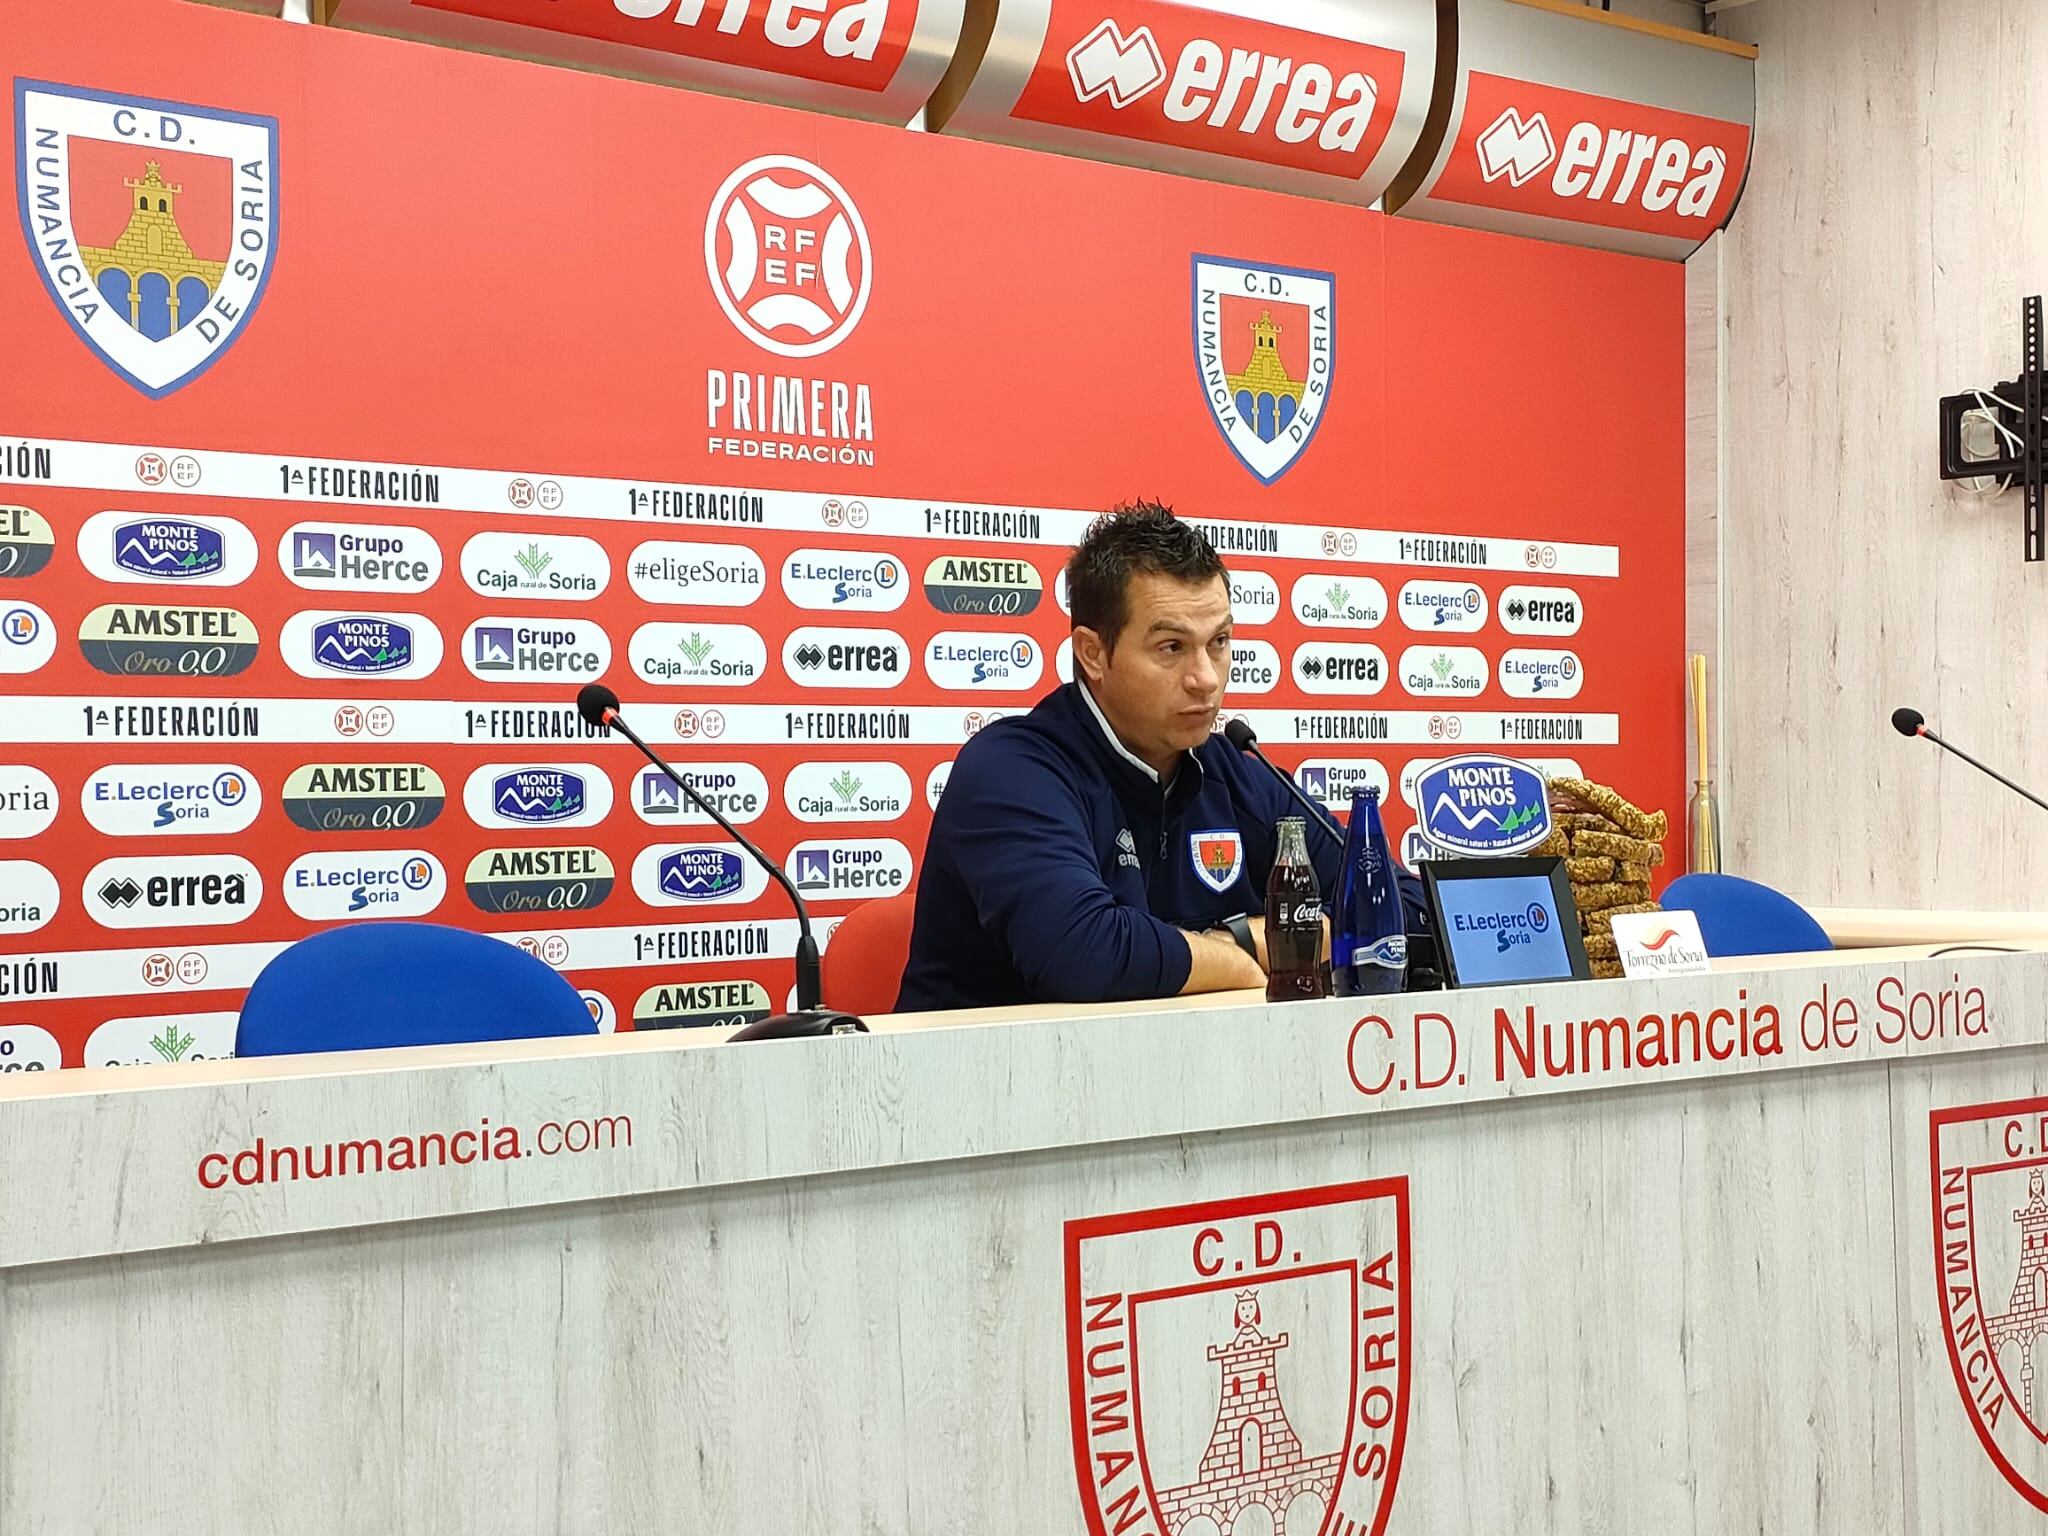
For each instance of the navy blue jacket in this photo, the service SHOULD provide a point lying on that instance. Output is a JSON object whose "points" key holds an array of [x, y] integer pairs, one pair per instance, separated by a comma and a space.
{"points": [[1058, 869]]}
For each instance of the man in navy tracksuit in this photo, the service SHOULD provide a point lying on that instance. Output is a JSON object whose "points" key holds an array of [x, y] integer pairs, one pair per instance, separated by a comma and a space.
{"points": [[1108, 845]]}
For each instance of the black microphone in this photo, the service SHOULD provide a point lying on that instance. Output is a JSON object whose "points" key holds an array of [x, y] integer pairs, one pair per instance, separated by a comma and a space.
{"points": [[1241, 736], [599, 706], [1910, 722]]}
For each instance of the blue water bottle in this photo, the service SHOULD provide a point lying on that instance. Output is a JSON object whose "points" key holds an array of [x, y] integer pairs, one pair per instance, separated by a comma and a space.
{"points": [[1368, 940]]}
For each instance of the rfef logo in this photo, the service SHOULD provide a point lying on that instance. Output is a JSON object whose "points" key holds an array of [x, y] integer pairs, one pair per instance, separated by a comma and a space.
{"points": [[1197, 78], [1482, 806], [1991, 1258], [788, 256], [1537, 149], [1265, 355], [1271, 1339], [153, 224]]}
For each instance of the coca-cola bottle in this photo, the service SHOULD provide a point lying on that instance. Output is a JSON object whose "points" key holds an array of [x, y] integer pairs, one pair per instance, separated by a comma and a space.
{"points": [[1368, 938], [1294, 920]]}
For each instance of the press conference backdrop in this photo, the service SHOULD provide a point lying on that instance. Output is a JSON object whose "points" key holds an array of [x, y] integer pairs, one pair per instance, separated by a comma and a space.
{"points": [[342, 442]]}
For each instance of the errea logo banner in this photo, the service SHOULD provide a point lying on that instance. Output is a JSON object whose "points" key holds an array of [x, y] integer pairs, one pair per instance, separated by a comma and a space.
{"points": [[1196, 78], [1289, 1313], [1537, 149], [151, 223]]}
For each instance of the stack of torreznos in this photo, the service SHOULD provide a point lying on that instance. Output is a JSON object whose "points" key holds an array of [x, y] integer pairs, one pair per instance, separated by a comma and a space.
{"points": [[1609, 847]]}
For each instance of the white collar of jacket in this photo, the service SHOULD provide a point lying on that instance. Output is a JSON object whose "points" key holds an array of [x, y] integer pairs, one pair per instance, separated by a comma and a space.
{"points": [[1115, 742]]}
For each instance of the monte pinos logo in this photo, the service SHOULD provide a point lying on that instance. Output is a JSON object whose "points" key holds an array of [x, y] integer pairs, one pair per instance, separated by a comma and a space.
{"points": [[1242, 1365], [152, 223]]}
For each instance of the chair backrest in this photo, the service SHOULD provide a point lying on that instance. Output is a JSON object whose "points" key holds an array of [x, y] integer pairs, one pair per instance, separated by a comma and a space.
{"points": [[370, 985], [863, 965], [1740, 917]]}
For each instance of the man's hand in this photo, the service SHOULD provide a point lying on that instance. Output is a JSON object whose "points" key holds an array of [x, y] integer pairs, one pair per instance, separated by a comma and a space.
{"points": [[1218, 965]]}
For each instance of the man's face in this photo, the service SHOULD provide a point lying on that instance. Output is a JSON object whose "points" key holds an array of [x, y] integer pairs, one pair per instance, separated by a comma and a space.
{"points": [[1161, 686]]}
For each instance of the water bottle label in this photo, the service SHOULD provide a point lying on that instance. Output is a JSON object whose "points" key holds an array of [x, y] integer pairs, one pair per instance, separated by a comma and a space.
{"points": [[1392, 952]]}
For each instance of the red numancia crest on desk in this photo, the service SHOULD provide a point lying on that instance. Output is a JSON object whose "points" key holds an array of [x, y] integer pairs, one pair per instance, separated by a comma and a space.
{"points": [[1241, 1354]]}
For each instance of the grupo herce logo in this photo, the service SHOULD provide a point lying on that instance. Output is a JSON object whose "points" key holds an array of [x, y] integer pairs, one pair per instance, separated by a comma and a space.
{"points": [[163, 799], [537, 795], [363, 797], [1265, 355], [26, 542], [738, 791], [1990, 1281], [132, 640], [1243, 1364], [696, 875], [157, 891], [388, 647], [852, 869], [183, 551], [324, 887], [153, 224], [788, 256], [504, 650], [512, 881], [360, 557]]}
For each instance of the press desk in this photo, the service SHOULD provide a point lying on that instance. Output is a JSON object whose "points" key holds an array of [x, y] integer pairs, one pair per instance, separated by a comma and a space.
{"points": [[823, 1286]]}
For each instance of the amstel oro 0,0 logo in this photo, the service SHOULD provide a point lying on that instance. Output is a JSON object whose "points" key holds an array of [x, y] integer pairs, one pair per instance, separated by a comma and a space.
{"points": [[504, 881], [26, 542], [702, 1005], [134, 640], [363, 797]]}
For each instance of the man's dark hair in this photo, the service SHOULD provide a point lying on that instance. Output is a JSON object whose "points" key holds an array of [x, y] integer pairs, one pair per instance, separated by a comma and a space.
{"points": [[1133, 539]]}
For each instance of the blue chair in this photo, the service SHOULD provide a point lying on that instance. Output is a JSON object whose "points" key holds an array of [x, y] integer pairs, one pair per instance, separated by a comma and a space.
{"points": [[1740, 917], [372, 985]]}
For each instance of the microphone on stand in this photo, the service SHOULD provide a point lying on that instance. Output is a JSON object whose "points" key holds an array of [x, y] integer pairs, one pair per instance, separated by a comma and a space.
{"points": [[599, 707], [1910, 722], [1241, 736]]}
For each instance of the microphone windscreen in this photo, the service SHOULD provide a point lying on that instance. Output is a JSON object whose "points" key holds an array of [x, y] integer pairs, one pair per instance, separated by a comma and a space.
{"points": [[594, 702], [1239, 734], [1907, 722]]}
